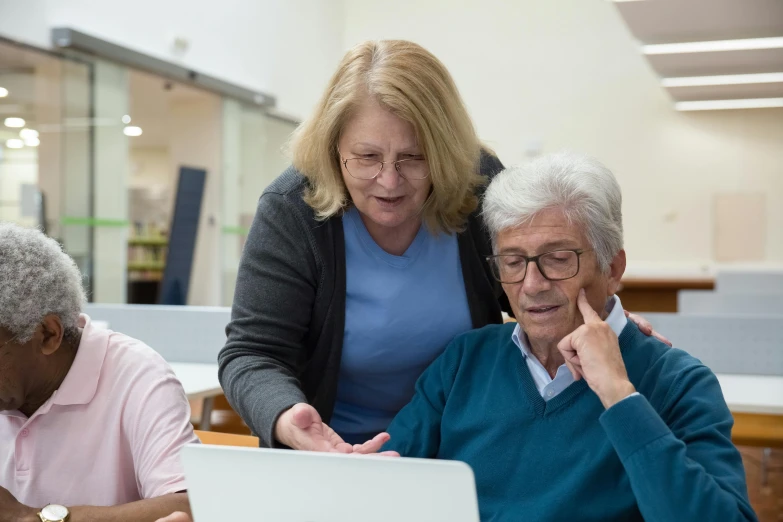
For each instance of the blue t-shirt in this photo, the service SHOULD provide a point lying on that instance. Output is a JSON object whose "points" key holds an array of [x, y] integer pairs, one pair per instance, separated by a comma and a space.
{"points": [[400, 313]]}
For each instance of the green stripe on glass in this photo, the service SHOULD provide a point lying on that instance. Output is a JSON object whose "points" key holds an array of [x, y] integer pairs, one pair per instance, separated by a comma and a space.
{"points": [[237, 231], [94, 222]]}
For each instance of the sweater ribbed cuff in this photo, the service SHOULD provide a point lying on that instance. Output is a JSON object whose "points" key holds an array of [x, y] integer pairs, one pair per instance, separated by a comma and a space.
{"points": [[631, 424]]}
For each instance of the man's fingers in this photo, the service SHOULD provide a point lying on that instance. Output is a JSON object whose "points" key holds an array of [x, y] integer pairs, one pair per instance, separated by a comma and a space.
{"points": [[588, 314], [565, 343], [571, 356], [566, 347], [576, 373]]}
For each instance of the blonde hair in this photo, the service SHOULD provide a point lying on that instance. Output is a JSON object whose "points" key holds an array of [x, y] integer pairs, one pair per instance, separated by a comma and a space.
{"points": [[410, 82]]}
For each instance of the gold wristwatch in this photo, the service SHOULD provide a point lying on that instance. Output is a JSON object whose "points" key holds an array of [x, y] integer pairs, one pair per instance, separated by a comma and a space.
{"points": [[54, 513]]}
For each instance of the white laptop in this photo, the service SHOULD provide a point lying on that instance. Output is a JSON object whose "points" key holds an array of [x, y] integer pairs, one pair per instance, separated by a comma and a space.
{"points": [[226, 483]]}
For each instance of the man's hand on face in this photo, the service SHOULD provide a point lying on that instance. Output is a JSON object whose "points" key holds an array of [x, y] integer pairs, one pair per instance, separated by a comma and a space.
{"points": [[11, 510], [592, 352]]}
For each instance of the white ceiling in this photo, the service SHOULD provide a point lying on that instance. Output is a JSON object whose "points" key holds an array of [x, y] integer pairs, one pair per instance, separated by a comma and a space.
{"points": [[666, 21], [150, 97], [17, 74], [727, 92], [677, 21], [714, 63]]}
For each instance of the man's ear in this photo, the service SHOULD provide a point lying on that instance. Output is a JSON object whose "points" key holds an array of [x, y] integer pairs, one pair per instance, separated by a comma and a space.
{"points": [[616, 271], [50, 334]]}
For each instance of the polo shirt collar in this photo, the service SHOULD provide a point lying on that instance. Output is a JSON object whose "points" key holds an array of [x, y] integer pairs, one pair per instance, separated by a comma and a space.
{"points": [[81, 382]]}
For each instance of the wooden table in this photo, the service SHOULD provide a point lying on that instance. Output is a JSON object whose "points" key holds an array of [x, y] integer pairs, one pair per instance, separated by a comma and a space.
{"points": [[753, 393], [200, 382], [658, 294], [756, 402]]}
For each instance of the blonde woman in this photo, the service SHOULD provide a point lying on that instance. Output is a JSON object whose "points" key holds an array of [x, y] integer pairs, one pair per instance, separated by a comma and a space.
{"points": [[365, 258]]}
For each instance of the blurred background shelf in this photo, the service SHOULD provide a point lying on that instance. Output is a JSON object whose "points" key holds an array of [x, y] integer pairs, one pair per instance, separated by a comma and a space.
{"points": [[148, 241], [147, 266]]}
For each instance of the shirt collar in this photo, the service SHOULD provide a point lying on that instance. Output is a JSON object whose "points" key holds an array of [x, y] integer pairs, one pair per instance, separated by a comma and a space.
{"points": [[616, 321], [81, 382]]}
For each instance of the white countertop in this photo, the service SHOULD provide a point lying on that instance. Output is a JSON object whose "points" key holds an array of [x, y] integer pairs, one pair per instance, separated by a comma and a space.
{"points": [[199, 380], [753, 393], [743, 393]]}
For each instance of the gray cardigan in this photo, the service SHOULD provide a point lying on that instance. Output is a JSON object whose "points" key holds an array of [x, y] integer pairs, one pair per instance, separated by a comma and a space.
{"points": [[286, 332]]}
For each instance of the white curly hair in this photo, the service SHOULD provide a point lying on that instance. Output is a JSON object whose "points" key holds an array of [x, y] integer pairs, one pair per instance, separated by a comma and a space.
{"points": [[36, 279]]}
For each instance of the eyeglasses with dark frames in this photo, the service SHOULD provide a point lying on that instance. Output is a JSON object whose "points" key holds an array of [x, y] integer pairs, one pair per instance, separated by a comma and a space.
{"points": [[557, 265]]}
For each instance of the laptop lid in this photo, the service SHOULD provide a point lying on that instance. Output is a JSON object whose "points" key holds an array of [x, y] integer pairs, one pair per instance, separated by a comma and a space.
{"points": [[226, 483]]}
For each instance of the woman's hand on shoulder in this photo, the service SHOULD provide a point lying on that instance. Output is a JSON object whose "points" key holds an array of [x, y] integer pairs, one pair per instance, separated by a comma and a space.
{"points": [[645, 327]]}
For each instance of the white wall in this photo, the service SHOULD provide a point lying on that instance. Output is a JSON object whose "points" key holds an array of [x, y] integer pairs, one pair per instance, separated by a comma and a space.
{"points": [[568, 74], [287, 48]]}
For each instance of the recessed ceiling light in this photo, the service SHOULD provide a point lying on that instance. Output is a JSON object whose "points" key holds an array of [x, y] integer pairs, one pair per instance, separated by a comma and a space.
{"points": [[126, 119], [32, 142], [14, 122], [3, 92], [14, 143], [728, 79], [26, 134], [711, 105], [714, 46], [131, 130]]}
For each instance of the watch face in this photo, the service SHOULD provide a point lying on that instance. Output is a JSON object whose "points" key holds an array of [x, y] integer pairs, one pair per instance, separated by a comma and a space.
{"points": [[54, 512]]}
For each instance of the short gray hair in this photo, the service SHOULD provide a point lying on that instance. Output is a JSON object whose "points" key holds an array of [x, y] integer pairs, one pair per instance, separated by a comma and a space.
{"points": [[582, 187], [36, 279]]}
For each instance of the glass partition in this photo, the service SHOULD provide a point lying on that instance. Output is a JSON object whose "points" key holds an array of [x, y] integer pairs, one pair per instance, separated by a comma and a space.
{"points": [[46, 137], [254, 154]]}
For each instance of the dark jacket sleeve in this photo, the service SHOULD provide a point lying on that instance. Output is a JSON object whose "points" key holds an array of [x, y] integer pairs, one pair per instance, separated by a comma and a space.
{"points": [[276, 286], [490, 166]]}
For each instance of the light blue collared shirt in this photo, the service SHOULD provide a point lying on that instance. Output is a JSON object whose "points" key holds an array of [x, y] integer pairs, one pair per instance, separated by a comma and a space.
{"points": [[547, 386]]}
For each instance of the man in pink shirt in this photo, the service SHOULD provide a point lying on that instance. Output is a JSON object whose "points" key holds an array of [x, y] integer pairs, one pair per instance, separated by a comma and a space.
{"points": [[91, 421]]}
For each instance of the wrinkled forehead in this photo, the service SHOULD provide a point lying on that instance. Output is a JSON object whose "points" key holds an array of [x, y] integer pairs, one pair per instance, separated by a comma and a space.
{"points": [[547, 230]]}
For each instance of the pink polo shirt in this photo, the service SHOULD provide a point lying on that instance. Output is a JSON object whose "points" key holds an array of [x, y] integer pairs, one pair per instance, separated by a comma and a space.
{"points": [[110, 435]]}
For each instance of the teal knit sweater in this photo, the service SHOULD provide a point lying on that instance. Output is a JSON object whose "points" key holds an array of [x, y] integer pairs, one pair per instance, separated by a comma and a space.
{"points": [[662, 456]]}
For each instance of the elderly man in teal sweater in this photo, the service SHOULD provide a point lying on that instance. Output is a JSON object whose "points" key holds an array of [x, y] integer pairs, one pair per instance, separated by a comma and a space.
{"points": [[572, 413]]}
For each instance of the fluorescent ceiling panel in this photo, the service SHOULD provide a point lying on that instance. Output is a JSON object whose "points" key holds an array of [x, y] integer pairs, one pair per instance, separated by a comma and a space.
{"points": [[711, 105], [709, 47], [728, 79]]}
